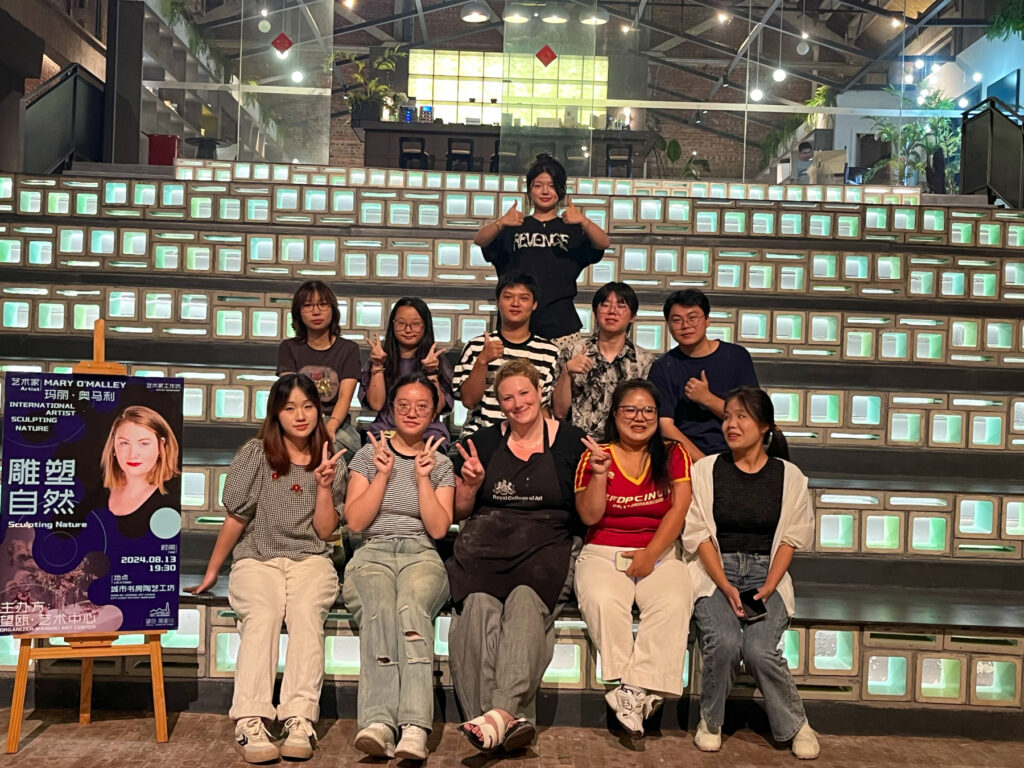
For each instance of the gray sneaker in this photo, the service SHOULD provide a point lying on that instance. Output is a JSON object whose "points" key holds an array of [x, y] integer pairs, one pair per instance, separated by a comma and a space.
{"points": [[707, 740], [628, 705], [376, 740], [300, 739], [253, 742]]}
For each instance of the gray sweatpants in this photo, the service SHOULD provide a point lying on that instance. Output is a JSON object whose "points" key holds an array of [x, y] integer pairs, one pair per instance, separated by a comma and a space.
{"points": [[498, 652]]}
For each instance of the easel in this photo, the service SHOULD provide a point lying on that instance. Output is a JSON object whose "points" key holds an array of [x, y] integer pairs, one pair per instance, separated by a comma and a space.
{"points": [[95, 646]]}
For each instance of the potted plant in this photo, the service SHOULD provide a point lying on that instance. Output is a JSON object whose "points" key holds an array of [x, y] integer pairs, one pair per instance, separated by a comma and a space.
{"points": [[371, 89]]}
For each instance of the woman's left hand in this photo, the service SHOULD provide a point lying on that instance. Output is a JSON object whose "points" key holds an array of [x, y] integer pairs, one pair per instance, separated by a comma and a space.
{"points": [[642, 563], [425, 461], [324, 474], [573, 215], [764, 592], [431, 363]]}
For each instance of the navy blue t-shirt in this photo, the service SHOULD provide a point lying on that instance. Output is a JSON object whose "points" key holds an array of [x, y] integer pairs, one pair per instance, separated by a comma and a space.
{"points": [[728, 367]]}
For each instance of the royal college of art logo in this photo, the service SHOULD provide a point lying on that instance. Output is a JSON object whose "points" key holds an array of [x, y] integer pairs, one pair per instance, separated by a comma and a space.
{"points": [[503, 488]]}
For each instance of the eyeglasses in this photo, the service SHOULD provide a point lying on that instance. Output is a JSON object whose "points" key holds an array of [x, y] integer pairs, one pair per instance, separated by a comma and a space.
{"points": [[646, 413], [309, 306], [415, 325], [608, 306], [678, 322], [420, 409]]}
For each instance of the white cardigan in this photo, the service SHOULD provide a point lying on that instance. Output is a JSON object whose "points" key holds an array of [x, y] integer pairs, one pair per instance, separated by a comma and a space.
{"points": [[796, 525]]}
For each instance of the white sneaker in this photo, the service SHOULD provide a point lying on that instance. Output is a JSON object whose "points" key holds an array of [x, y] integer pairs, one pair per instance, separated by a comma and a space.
{"points": [[300, 740], [413, 744], [376, 740], [707, 740], [805, 743], [652, 704], [628, 705], [253, 742]]}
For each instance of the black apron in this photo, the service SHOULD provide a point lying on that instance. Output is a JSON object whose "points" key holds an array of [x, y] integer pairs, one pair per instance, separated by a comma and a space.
{"points": [[520, 532]]}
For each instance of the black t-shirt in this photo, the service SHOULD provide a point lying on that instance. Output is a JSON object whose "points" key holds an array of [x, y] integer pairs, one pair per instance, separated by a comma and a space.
{"points": [[554, 253], [747, 505]]}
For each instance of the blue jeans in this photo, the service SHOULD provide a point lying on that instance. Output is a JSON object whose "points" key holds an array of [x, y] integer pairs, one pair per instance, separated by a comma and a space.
{"points": [[394, 588], [725, 638]]}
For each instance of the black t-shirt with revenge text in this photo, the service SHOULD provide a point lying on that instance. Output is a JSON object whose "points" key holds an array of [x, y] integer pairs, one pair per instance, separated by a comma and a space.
{"points": [[554, 253]]}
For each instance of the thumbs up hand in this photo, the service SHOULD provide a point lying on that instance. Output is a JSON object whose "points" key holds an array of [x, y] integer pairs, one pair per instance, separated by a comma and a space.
{"points": [[513, 217], [573, 215], [697, 389], [493, 348]]}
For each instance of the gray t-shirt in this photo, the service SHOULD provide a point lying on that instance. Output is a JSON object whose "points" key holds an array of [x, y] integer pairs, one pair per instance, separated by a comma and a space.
{"points": [[326, 367], [400, 510]]}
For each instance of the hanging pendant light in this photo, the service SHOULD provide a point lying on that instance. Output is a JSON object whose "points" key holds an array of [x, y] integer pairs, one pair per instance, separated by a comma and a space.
{"points": [[475, 12], [554, 13], [515, 13], [594, 17]]}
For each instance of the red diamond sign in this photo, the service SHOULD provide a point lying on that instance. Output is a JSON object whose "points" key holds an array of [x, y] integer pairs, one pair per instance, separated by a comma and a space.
{"points": [[282, 42], [546, 55]]}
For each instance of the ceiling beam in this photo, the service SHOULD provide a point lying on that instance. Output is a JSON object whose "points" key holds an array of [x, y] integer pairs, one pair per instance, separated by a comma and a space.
{"points": [[751, 37], [685, 97], [397, 17], [705, 128], [423, 21]]}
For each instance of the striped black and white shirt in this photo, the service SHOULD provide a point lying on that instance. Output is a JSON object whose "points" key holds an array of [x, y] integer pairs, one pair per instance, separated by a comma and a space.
{"points": [[400, 510], [277, 509], [538, 350]]}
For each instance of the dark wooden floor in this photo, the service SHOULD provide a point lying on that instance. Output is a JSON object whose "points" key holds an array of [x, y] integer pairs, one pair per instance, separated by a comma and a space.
{"points": [[53, 739]]}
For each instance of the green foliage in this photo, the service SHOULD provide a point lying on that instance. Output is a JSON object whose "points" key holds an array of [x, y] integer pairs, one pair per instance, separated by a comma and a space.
{"points": [[696, 167], [370, 87], [1008, 21], [779, 138], [673, 151], [824, 96]]}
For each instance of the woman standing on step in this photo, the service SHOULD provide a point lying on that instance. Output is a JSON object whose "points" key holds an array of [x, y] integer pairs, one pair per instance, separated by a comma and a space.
{"points": [[400, 495], [633, 492], [283, 495], [751, 511]]}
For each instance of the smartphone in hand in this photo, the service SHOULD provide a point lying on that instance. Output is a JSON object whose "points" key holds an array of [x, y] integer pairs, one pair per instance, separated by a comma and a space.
{"points": [[622, 562], [754, 610]]}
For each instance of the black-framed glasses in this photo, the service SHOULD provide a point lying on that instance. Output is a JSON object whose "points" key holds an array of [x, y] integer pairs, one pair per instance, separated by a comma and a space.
{"points": [[403, 407], [309, 306], [415, 325], [647, 412]]}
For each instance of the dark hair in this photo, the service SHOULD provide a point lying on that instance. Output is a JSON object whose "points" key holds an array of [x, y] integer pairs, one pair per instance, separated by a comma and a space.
{"points": [[805, 145], [657, 447], [622, 290], [545, 163], [271, 433], [525, 279], [393, 364], [306, 291], [416, 377], [759, 405], [691, 297]]}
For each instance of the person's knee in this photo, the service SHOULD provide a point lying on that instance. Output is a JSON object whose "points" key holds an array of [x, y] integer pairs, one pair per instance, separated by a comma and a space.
{"points": [[722, 647], [759, 655]]}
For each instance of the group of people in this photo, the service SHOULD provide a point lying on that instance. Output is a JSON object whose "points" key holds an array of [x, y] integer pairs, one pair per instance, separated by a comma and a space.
{"points": [[585, 467]]}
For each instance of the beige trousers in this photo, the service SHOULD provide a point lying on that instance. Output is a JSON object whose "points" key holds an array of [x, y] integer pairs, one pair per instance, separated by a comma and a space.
{"points": [[654, 659], [263, 594]]}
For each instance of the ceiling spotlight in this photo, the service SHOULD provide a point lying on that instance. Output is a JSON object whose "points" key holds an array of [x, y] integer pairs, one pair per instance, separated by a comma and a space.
{"points": [[594, 17], [976, 77], [935, 67], [694, 153], [756, 94], [804, 35], [908, 79], [896, 22], [920, 100], [779, 75], [264, 13], [919, 64], [475, 12], [962, 103], [625, 28], [297, 76], [350, 4], [554, 13], [515, 13], [926, 93], [263, 26], [282, 54], [803, 48], [722, 17]]}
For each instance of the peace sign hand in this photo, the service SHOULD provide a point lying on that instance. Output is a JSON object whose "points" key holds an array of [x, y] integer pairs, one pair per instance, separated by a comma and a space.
{"points": [[432, 362], [573, 215], [383, 459], [377, 354], [600, 459], [425, 461], [472, 469], [513, 217], [325, 473]]}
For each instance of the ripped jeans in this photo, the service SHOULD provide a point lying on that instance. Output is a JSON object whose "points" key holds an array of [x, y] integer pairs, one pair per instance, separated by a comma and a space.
{"points": [[394, 588]]}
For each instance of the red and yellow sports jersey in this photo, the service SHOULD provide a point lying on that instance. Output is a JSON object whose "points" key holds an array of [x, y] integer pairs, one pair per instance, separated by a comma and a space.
{"points": [[634, 508]]}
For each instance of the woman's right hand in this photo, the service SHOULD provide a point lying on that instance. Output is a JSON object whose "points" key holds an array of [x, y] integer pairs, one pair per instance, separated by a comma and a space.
{"points": [[600, 459], [205, 585], [377, 354], [733, 596], [472, 469], [383, 459], [513, 217]]}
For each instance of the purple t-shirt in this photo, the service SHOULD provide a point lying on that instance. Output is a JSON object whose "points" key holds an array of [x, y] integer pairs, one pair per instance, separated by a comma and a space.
{"points": [[386, 419], [326, 367]]}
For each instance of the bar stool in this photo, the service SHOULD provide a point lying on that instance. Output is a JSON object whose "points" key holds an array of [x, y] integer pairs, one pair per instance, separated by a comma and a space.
{"points": [[459, 151], [618, 156], [576, 162], [413, 150], [505, 157]]}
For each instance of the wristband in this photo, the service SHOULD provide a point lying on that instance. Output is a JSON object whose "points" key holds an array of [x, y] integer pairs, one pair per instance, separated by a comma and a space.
{"points": [[376, 370]]}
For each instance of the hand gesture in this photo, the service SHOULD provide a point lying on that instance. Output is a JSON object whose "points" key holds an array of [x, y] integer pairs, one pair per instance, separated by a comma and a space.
{"points": [[579, 364], [642, 563], [513, 217], [377, 354], [764, 592], [207, 583], [383, 459], [425, 461], [472, 469], [493, 348], [573, 215], [733, 596], [600, 459], [432, 361], [697, 389], [324, 474]]}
